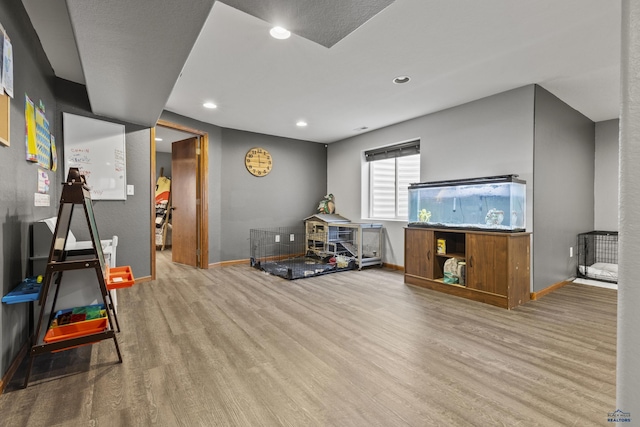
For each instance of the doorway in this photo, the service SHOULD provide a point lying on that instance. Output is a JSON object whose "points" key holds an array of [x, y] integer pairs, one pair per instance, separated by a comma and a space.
{"points": [[192, 174]]}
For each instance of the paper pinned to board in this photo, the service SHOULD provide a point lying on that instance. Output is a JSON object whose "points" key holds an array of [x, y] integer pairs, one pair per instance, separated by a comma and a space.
{"points": [[6, 75]]}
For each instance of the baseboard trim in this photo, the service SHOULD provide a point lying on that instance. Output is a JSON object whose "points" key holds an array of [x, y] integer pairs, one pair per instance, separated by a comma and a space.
{"points": [[228, 263], [13, 367], [545, 291], [393, 266], [143, 279]]}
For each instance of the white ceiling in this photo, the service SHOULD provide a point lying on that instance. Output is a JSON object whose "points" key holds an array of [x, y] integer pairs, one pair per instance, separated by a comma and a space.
{"points": [[141, 57]]}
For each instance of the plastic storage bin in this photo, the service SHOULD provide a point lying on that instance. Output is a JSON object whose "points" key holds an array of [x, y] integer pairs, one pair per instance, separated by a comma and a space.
{"points": [[120, 277], [28, 290], [77, 322]]}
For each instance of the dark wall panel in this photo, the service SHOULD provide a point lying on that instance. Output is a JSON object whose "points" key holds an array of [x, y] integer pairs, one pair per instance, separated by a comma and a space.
{"points": [[33, 75], [283, 198], [564, 152]]}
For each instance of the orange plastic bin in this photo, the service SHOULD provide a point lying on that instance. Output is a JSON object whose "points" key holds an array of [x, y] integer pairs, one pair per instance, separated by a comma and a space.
{"points": [[74, 330], [120, 277]]}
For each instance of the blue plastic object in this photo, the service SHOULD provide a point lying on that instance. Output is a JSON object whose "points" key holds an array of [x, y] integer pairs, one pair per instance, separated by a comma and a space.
{"points": [[28, 290]]}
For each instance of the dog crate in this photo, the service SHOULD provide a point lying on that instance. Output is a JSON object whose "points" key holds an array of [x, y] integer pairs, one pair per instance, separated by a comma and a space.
{"points": [[283, 252], [598, 256]]}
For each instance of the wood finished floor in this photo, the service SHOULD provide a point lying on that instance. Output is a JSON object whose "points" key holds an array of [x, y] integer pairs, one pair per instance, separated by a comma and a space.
{"points": [[234, 346]]}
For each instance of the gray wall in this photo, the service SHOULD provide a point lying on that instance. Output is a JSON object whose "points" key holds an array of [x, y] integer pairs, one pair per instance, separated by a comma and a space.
{"points": [[283, 198], [127, 219], [606, 176], [563, 192], [240, 201], [163, 162], [18, 183], [491, 136]]}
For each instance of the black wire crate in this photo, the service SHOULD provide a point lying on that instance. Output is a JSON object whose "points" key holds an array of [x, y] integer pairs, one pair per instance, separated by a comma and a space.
{"points": [[598, 256], [284, 252]]}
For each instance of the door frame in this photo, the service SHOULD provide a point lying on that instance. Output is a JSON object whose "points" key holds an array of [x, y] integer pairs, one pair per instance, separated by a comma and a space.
{"points": [[202, 191]]}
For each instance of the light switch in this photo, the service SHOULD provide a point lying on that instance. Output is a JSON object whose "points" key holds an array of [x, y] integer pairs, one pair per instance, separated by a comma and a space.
{"points": [[129, 190]]}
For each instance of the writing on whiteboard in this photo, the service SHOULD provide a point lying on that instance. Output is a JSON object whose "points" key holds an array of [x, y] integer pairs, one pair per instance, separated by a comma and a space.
{"points": [[119, 160]]}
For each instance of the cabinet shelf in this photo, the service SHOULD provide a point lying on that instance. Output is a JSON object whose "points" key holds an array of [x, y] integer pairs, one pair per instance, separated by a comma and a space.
{"points": [[497, 270], [452, 255]]}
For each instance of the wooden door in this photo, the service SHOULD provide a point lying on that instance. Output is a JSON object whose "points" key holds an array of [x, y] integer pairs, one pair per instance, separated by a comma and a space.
{"points": [[419, 252], [184, 190], [487, 263]]}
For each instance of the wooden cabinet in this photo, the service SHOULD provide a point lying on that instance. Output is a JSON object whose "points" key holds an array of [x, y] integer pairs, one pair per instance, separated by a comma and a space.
{"points": [[497, 264], [419, 252]]}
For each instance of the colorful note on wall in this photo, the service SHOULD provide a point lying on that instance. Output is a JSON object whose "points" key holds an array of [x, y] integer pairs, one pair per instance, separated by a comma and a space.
{"points": [[30, 137], [7, 66], [2, 37], [43, 181], [54, 154], [43, 139]]}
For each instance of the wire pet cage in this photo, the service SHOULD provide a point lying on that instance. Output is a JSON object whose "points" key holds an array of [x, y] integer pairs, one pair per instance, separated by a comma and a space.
{"points": [[598, 256], [283, 252]]}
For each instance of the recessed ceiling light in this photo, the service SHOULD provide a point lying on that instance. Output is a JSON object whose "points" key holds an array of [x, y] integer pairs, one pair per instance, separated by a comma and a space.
{"points": [[280, 33], [301, 124], [401, 79], [158, 139], [209, 105]]}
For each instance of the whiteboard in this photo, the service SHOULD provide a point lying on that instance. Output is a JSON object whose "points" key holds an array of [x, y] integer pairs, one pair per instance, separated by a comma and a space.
{"points": [[97, 148]]}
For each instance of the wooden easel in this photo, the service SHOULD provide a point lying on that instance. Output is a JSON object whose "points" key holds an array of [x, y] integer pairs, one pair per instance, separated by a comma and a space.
{"points": [[74, 192]]}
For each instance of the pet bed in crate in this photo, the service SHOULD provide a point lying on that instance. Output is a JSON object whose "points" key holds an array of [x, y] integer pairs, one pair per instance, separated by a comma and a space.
{"points": [[598, 256]]}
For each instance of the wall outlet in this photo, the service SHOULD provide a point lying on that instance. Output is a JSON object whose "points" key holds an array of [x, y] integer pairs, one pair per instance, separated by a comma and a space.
{"points": [[570, 251], [277, 238], [291, 237]]}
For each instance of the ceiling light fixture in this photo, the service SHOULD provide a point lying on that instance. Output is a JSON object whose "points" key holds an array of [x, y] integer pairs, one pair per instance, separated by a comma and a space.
{"points": [[301, 124], [401, 80], [280, 33], [209, 105]]}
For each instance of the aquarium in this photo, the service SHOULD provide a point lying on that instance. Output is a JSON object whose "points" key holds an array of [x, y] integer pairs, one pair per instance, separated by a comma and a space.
{"points": [[496, 203]]}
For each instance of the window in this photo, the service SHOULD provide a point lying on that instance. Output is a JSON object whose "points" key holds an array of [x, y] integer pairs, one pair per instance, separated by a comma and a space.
{"points": [[391, 170]]}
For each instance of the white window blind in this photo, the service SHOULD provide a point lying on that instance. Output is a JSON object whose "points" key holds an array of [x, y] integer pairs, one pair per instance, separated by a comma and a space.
{"points": [[389, 179]]}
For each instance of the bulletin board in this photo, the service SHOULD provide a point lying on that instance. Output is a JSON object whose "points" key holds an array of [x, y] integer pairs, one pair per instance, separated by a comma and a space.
{"points": [[97, 148]]}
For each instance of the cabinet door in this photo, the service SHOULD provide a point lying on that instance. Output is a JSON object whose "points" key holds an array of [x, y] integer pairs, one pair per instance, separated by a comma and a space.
{"points": [[419, 252], [487, 263]]}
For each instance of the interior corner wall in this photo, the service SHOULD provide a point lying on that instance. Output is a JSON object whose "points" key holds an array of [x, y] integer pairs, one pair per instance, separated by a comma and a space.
{"points": [[214, 134], [564, 150], [606, 175], [490, 136], [283, 198], [33, 76]]}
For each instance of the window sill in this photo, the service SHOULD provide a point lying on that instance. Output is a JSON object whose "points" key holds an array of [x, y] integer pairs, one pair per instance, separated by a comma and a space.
{"points": [[385, 220]]}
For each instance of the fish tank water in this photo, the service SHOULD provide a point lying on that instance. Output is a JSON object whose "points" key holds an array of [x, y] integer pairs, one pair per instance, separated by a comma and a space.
{"points": [[496, 203]]}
